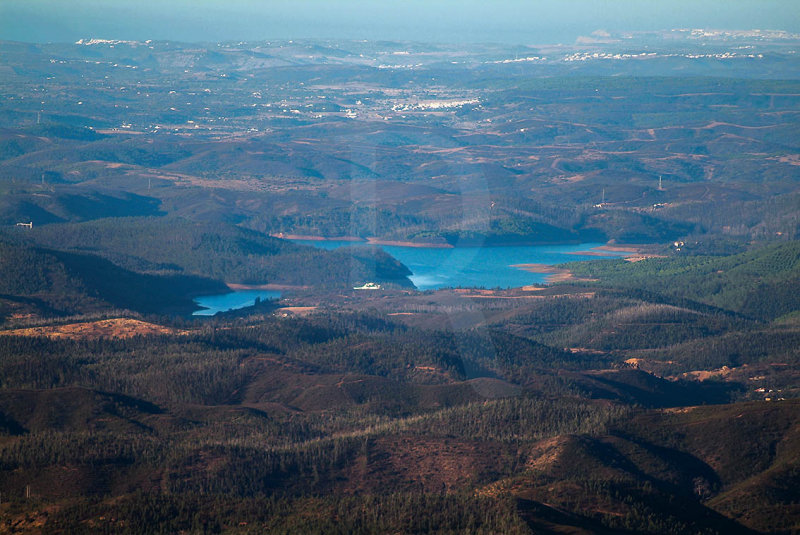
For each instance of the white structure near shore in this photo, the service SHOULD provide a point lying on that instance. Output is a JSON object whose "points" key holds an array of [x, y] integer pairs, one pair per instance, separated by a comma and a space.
{"points": [[368, 286]]}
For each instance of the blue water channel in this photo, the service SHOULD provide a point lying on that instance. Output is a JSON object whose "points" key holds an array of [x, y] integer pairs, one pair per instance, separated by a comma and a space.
{"points": [[231, 301]]}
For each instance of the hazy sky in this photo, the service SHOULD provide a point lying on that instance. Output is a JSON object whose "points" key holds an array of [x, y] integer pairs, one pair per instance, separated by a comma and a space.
{"points": [[509, 21]]}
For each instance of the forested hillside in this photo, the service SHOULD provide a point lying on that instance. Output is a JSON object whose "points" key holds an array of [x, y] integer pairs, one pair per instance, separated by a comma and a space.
{"points": [[763, 283], [596, 406], [220, 251], [285, 424], [60, 283]]}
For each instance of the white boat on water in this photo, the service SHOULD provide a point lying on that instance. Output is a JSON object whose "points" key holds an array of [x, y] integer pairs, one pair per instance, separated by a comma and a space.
{"points": [[368, 286]]}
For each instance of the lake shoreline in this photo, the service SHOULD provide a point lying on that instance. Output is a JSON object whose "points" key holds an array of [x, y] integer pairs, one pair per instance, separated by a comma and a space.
{"points": [[513, 266], [304, 237], [602, 250], [554, 274], [272, 287], [356, 239], [519, 259], [400, 243], [239, 296]]}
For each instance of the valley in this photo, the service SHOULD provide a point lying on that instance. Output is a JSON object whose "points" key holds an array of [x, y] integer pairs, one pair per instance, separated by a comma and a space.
{"points": [[579, 273]]}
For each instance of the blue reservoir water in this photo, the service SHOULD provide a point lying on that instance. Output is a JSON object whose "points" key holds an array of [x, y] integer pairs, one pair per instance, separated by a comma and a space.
{"points": [[435, 267], [231, 301], [487, 267]]}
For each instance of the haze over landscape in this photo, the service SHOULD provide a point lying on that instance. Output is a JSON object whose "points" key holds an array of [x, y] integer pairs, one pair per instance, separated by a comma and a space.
{"points": [[399, 267], [506, 21]]}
